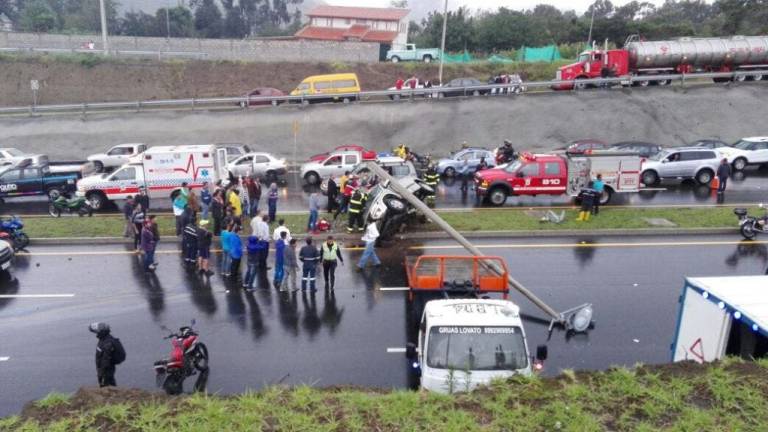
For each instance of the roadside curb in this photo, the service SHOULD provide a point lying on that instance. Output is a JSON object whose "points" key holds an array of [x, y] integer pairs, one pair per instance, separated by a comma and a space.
{"points": [[436, 235]]}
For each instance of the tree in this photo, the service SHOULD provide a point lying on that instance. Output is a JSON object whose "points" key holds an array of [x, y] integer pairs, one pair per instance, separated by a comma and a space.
{"points": [[208, 20], [178, 21], [402, 4], [84, 16], [460, 32], [37, 16], [139, 24]]}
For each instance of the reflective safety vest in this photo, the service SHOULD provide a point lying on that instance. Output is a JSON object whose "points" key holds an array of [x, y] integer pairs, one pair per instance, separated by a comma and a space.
{"points": [[356, 202], [329, 253], [431, 178]]}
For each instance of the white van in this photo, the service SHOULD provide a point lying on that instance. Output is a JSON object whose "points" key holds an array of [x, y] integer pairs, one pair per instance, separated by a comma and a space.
{"points": [[464, 343], [161, 170]]}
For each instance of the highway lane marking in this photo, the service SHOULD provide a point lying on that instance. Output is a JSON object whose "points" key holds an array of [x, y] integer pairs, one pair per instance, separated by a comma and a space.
{"points": [[36, 295], [395, 289], [480, 246], [396, 350]]}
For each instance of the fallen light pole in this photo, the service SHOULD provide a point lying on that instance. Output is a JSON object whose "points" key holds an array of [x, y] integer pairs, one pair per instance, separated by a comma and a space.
{"points": [[577, 319]]}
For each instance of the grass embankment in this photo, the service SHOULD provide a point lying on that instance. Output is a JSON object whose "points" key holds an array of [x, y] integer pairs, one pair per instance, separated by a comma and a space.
{"points": [[475, 220], [727, 396]]}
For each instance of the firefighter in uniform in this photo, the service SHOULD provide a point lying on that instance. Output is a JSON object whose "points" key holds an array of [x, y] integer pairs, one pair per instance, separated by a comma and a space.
{"points": [[356, 204], [431, 178]]}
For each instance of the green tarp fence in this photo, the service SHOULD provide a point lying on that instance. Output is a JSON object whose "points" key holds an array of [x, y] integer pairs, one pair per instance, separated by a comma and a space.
{"points": [[458, 58], [548, 54], [500, 59]]}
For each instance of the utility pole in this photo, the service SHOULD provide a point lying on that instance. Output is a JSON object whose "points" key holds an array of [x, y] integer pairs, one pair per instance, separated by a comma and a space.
{"points": [[104, 41], [591, 23], [442, 44], [167, 22]]}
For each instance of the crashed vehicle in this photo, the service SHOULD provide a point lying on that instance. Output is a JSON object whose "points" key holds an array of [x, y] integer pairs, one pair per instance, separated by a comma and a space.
{"points": [[389, 209]]}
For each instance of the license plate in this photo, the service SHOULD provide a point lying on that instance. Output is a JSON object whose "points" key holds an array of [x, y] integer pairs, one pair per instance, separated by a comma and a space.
{"points": [[5, 265]]}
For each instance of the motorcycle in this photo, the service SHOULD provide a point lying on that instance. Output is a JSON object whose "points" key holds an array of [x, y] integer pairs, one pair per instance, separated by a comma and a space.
{"points": [[751, 226], [188, 357], [13, 227], [78, 205], [504, 156]]}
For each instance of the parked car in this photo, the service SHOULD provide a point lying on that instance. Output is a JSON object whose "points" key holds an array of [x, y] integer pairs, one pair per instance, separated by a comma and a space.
{"points": [[709, 143], [261, 92], [259, 164], [338, 87], [407, 87], [234, 150], [394, 165], [681, 163], [584, 145], [334, 165], [367, 154], [6, 254], [747, 151], [411, 53], [514, 84], [465, 162], [116, 156], [456, 88], [11, 156], [644, 149], [25, 179]]}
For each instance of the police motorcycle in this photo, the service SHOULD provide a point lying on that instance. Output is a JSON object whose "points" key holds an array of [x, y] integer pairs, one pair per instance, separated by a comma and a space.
{"points": [[751, 226], [505, 153]]}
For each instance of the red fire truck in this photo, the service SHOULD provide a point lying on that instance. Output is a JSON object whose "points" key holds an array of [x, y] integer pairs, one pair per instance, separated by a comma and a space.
{"points": [[554, 174], [683, 55]]}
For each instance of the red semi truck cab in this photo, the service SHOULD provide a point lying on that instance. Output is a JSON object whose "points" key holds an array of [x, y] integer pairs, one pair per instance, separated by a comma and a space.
{"points": [[591, 64], [552, 174]]}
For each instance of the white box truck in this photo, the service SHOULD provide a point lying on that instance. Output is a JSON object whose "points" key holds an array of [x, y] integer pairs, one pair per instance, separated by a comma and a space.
{"points": [[721, 316], [161, 170]]}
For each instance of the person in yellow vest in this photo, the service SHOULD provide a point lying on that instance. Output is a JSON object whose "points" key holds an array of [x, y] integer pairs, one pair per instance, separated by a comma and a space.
{"points": [[331, 252], [237, 206], [356, 204]]}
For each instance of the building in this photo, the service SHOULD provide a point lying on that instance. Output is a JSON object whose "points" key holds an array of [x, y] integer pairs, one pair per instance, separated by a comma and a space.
{"points": [[386, 26]]}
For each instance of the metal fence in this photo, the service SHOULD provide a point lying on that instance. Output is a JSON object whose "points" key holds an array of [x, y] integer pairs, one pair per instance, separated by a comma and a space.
{"points": [[159, 54], [432, 93]]}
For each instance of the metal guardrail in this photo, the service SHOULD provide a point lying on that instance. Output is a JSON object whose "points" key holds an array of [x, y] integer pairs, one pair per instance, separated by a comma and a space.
{"points": [[436, 92], [117, 53]]}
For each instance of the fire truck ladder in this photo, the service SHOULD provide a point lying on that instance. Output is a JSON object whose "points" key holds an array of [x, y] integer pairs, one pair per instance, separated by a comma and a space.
{"points": [[577, 319]]}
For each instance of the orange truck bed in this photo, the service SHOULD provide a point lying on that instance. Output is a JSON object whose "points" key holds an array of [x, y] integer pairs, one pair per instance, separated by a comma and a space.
{"points": [[457, 273]]}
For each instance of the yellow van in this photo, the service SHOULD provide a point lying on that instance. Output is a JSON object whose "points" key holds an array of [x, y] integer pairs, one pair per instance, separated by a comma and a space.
{"points": [[332, 84]]}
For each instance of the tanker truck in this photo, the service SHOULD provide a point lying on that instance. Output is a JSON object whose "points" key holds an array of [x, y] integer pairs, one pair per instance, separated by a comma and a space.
{"points": [[679, 56]]}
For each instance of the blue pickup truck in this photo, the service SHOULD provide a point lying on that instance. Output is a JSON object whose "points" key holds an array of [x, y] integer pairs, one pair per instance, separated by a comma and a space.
{"points": [[26, 179]]}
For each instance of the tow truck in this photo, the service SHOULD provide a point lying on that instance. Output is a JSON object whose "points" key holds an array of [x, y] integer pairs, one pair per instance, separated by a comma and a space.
{"points": [[554, 174], [465, 339]]}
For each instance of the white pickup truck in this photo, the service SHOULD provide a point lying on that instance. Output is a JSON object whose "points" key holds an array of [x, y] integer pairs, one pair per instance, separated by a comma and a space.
{"points": [[334, 165], [116, 156]]}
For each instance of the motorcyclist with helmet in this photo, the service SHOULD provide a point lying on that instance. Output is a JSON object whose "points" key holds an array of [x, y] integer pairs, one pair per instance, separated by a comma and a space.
{"points": [[506, 153], [109, 353]]}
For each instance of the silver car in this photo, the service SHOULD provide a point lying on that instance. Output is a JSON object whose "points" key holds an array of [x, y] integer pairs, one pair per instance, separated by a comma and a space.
{"points": [[465, 162], [681, 163], [259, 164]]}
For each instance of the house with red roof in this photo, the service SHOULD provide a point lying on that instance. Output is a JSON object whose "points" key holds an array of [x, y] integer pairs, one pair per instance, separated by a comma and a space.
{"points": [[386, 26]]}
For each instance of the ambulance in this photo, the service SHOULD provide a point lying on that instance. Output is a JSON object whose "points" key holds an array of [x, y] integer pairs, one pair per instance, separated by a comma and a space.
{"points": [[160, 170]]}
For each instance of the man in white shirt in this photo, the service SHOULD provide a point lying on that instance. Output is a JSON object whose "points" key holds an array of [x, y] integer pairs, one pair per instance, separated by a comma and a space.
{"points": [[370, 236], [281, 228], [259, 228]]}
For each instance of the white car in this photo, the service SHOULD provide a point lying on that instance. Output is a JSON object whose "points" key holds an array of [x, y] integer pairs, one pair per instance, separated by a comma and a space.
{"points": [[335, 165], [747, 151], [12, 156], [260, 164], [116, 156]]}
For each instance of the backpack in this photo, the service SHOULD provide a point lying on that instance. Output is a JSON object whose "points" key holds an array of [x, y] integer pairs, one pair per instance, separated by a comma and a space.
{"points": [[118, 353]]}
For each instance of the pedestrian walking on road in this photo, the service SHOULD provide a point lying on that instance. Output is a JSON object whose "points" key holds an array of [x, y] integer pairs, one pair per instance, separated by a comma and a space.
{"points": [[235, 251], [598, 186], [109, 353], [309, 256], [206, 198], [331, 253], [723, 174], [245, 201], [233, 200], [272, 202], [370, 236], [280, 246], [204, 240], [252, 270], [148, 244], [226, 259], [142, 199], [128, 207], [291, 266], [137, 222], [314, 206]]}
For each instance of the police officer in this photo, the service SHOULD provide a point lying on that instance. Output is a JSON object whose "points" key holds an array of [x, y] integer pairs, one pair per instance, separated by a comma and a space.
{"points": [[431, 178], [356, 204], [109, 353], [331, 253]]}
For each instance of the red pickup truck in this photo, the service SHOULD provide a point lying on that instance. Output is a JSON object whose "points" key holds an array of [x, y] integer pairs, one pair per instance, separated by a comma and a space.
{"points": [[551, 174]]}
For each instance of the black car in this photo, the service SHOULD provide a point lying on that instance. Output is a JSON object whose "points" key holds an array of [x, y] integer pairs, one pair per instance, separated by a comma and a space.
{"points": [[710, 143], [456, 88], [644, 149]]}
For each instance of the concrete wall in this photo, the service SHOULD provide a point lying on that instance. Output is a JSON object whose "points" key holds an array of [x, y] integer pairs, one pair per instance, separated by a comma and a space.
{"points": [[259, 50], [533, 122]]}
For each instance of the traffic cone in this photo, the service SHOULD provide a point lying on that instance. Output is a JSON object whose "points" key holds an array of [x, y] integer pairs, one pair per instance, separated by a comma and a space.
{"points": [[714, 184]]}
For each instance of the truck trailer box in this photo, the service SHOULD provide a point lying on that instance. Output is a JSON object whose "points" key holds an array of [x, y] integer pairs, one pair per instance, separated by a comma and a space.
{"points": [[721, 316]]}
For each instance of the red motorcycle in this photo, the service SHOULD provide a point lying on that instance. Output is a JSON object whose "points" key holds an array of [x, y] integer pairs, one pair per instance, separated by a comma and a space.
{"points": [[188, 357]]}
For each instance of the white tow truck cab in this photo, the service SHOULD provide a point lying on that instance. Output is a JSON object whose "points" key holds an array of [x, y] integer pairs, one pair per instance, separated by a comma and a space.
{"points": [[466, 342], [722, 316], [161, 170]]}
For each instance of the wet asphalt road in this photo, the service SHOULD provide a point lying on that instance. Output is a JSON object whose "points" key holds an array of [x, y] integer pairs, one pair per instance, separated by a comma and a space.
{"points": [[322, 339], [749, 186]]}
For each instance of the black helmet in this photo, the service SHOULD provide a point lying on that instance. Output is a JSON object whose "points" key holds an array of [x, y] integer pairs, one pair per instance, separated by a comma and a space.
{"points": [[99, 328], [507, 142]]}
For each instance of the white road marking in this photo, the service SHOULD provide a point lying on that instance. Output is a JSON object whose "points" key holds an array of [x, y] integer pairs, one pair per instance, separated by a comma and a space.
{"points": [[395, 289], [36, 295], [396, 350]]}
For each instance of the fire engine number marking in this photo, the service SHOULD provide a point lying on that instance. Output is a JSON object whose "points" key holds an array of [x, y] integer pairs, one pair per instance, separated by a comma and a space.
{"points": [[553, 182]]}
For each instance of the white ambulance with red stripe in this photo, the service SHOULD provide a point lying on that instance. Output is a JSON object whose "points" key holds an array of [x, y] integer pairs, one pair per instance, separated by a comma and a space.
{"points": [[161, 170], [555, 174]]}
